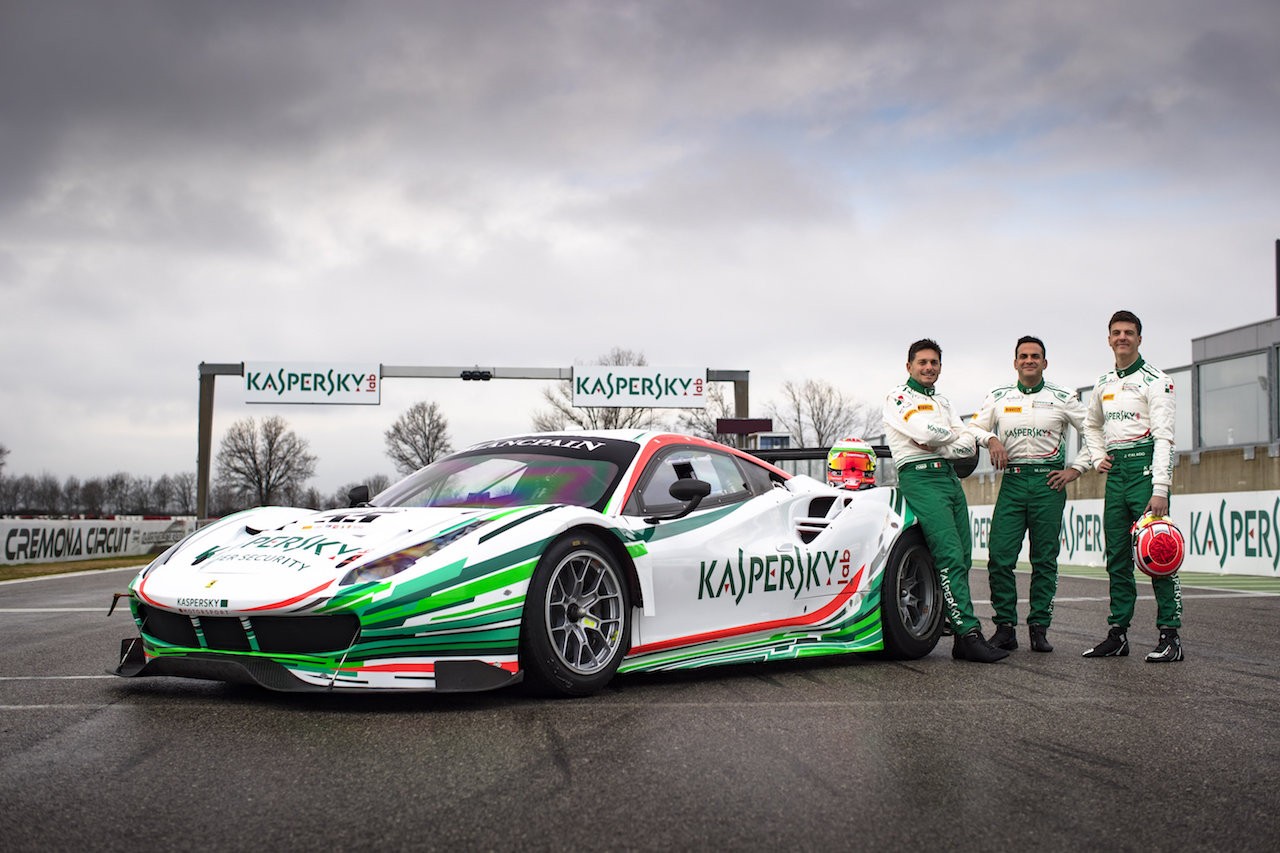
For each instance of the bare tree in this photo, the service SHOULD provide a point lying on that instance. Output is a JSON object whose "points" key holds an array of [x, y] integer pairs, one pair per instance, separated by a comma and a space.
{"points": [[702, 422], [8, 495], [223, 500], [301, 495], [120, 493], [48, 493], [264, 464], [564, 415], [115, 495], [21, 489], [4, 451], [93, 496], [162, 493], [816, 414], [419, 437], [867, 424], [15, 492], [184, 492], [139, 492], [341, 496], [70, 500]]}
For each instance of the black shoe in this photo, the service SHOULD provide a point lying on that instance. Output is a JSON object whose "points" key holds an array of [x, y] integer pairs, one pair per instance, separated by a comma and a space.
{"points": [[1039, 640], [946, 628], [1169, 649], [972, 647], [1004, 638], [1116, 645]]}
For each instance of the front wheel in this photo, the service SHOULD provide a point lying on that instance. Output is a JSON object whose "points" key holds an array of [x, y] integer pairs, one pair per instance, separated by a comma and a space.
{"points": [[577, 618], [910, 599]]}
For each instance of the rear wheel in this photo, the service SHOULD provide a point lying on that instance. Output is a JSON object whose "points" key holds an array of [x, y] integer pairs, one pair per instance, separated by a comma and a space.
{"points": [[577, 618], [910, 599]]}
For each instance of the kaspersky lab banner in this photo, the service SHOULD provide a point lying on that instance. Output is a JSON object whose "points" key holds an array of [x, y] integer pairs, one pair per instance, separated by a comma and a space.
{"points": [[334, 384], [610, 386], [1228, 533]]}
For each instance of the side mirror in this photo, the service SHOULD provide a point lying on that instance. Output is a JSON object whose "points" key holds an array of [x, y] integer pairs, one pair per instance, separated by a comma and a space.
{"points": [[689, 492], [358, 496]]}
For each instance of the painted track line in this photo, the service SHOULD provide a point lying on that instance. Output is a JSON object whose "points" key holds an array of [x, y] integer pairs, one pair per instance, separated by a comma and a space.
{"points": [[134, 569], [54, 677], [102, 610]]}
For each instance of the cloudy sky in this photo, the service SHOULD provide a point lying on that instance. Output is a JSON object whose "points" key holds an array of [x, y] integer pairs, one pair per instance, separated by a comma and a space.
{"points": [[796, 189]]}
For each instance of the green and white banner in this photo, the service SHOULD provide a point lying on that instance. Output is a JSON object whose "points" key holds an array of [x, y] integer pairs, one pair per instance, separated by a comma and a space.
{"points": [[610, 386], [313, 382], [1230, 533]]}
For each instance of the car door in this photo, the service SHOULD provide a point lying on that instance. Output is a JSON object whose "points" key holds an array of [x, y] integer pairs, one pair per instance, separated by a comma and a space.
{"points": [[732, 566]]}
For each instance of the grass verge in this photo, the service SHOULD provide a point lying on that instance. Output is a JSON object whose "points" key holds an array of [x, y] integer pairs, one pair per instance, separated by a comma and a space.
{"points": [[17, 571]]}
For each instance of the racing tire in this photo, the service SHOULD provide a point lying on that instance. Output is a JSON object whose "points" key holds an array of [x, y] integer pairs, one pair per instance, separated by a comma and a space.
{"points": [[577, 618], [911, 612]]}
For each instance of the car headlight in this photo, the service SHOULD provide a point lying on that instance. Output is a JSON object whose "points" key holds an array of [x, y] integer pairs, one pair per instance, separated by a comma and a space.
{"points": [[394, 564]]}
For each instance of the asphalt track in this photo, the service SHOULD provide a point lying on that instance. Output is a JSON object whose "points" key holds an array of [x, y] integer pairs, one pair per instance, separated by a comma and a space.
{"points": [[1041, 752]]}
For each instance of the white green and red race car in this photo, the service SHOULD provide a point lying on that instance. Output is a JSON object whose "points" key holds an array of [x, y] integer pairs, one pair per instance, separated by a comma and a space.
{"points": [[557, 559]]}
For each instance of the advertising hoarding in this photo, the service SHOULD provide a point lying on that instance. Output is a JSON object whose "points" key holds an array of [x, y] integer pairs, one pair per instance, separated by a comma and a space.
{"points": [[316, 383], [613, 386]]}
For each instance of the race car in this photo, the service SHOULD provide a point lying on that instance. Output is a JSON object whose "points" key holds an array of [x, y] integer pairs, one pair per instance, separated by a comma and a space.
{"points": [[557, 559]]}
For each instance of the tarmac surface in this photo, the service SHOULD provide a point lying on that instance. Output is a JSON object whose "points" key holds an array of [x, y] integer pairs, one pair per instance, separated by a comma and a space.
{"points": [[1040, 752]]}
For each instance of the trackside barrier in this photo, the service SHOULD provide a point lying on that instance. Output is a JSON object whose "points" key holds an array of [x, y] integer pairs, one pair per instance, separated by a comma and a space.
{"points": [[1227, 533], [28, 540]]}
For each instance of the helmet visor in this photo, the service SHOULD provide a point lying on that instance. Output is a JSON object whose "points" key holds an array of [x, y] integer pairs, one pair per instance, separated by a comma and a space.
{"points": [[852, 462]]}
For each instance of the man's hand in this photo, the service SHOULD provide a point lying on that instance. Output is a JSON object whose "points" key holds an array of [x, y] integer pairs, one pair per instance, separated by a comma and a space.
{"points": [[1158, 506], [1058, 479], [1105, 465], [999, 456]]}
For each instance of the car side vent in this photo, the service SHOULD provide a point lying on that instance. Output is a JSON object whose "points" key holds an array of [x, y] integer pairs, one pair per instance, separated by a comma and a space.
{"points": [[808, 527]]}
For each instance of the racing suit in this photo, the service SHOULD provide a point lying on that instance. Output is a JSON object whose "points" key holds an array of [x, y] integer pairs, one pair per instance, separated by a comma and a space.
{"points": [[924, 434], [1130, 420], [1032, 425]]}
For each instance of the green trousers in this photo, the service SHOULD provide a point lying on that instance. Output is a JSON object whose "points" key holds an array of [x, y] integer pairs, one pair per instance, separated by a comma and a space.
{"points": [[933, 491], [1025, 505], [1128, 490]]}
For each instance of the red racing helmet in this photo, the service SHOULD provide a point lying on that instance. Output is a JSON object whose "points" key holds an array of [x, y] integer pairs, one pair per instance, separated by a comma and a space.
{"points": [[851, 464], [1158, 546]]}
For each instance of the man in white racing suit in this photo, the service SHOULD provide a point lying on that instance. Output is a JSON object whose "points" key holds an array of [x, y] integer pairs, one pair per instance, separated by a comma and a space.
{"points": [[924, 434], [1129, 430], [1023, 425]]}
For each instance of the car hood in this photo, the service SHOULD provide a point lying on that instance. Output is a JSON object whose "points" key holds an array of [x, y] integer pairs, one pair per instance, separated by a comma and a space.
{"points": [[292, 560]]}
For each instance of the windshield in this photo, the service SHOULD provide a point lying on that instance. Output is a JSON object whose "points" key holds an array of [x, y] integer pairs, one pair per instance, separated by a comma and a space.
{"points": [[506, 477]]}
